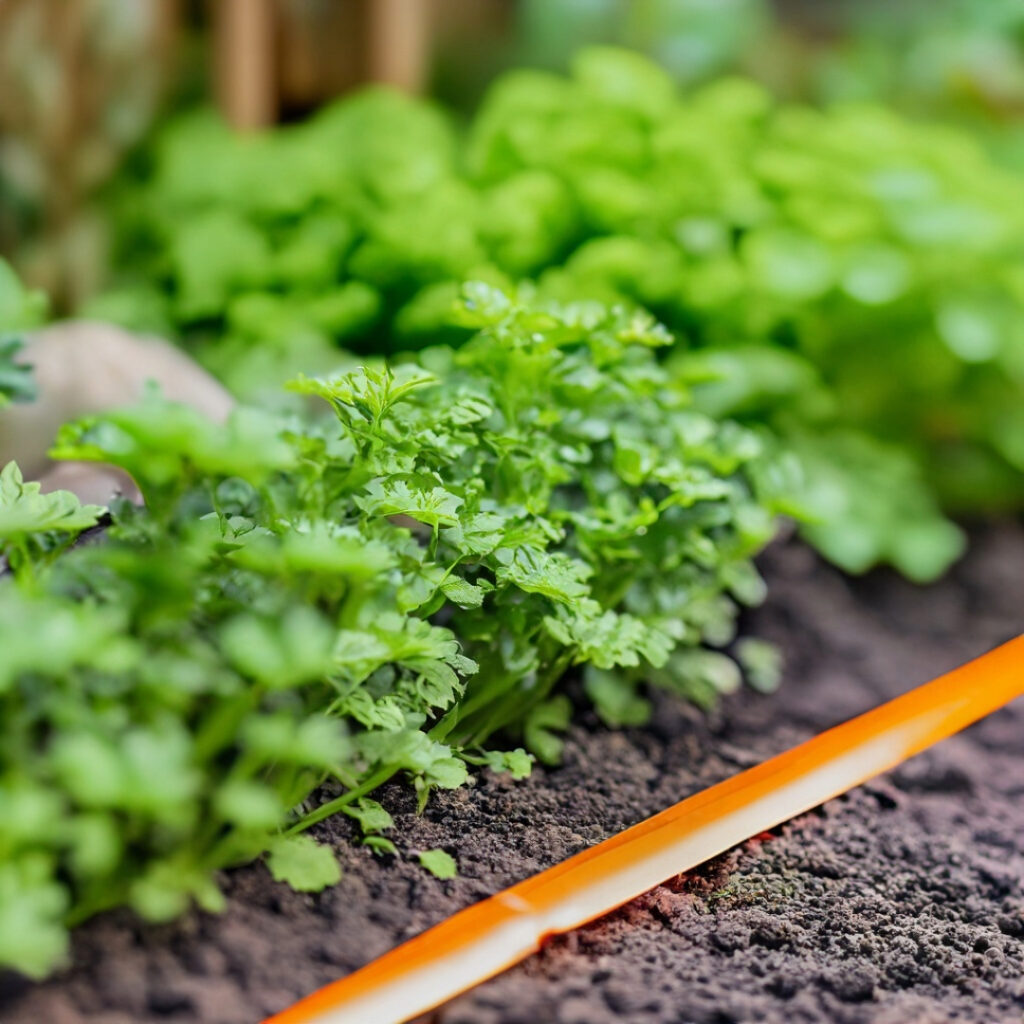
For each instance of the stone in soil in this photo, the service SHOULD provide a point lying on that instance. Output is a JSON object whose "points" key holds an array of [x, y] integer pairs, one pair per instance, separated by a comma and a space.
{"points": [[902, 901]]}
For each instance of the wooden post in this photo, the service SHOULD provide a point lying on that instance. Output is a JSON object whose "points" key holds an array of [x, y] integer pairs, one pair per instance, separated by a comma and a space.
{"points": [[245, 61], [400, 36]]}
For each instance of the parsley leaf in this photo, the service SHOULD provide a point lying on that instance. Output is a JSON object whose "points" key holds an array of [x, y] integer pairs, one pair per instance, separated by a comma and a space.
{"points": [[303, 863], [440, 864]]}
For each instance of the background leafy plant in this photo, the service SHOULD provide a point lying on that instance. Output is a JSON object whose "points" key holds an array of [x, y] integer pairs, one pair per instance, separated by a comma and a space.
{"points": [[19, 309], [332, 603], [848, 277]]}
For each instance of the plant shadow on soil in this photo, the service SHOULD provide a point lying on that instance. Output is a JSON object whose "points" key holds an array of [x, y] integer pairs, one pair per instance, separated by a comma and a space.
{"points": [[903, 900]]}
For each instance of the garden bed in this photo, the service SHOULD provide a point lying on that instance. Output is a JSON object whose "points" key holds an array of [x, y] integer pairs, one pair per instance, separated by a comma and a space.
{"points": [[903, 900]]}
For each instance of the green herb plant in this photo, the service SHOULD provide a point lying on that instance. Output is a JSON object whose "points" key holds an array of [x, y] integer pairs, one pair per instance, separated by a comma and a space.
{"points": [[306, 609]]}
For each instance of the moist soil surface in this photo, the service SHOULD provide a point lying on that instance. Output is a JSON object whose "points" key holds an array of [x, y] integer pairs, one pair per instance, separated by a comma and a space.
{"points": [[902, 901]]}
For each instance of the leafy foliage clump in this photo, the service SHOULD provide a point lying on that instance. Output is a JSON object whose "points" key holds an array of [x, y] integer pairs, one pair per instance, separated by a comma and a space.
{"points": [[381, 592], [848, 277], [19, 310]]}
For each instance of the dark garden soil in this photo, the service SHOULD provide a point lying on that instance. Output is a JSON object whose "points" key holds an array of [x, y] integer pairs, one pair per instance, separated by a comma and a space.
{"points": [[901, 902]]}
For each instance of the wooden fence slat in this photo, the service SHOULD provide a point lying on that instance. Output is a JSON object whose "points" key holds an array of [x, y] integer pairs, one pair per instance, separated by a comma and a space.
{"points": [[400, 42], [246, 76]]}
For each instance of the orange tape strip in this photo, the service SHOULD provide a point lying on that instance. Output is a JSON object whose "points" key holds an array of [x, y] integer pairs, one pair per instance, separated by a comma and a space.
{"points": [[497, 932]]}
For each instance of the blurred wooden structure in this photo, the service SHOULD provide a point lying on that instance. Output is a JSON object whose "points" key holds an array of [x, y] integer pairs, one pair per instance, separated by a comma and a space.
{"points": [[80, 81], [277, 57]]}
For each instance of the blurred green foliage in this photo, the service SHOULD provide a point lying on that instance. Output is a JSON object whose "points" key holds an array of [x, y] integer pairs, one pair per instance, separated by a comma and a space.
{"points": [[848, 277], [960, 58], [20, 309], [954, 58], [691, 39]]}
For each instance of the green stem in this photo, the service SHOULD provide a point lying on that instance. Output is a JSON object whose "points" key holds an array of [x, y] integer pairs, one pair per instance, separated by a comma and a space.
{"points": [[513, 705], [112, 895], [23, 566], [378, 778]]}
